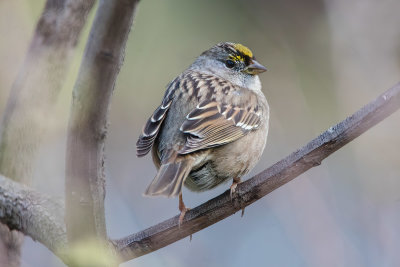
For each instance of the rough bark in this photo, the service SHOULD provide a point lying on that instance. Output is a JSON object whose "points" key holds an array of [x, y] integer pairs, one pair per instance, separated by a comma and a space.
{"points": [[32, 97], [34, 214], [87, 129]]}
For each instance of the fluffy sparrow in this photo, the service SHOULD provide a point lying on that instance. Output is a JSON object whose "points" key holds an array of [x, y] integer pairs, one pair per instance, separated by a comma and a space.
{"points": [[211, 126]]}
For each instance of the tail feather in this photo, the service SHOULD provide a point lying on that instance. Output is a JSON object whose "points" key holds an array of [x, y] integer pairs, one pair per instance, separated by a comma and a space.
{"points": [[170, 178]]}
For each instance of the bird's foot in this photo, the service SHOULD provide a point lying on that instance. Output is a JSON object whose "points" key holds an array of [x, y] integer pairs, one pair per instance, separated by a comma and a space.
{"points": [[182, 209], [182, 215], [235, 182]]}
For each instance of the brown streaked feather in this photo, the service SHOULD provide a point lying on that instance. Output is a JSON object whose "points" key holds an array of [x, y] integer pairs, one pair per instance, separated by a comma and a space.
{"points": [[153, 124], [150, 131], [212, 124]]}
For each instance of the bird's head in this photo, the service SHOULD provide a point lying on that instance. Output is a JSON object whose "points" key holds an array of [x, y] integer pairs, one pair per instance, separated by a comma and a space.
{"points": [[231, 61]]}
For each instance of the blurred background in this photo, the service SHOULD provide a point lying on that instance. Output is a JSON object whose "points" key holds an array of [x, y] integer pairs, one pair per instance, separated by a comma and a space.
{"points": [[326, 59]]}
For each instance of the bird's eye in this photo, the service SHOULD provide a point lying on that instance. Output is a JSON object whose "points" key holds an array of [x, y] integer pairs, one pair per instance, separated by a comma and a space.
{"points": [[229, 64]]}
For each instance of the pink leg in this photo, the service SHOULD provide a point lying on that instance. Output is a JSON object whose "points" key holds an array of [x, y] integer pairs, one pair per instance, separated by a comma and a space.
{"points": [[235, 182], [182, 209]]}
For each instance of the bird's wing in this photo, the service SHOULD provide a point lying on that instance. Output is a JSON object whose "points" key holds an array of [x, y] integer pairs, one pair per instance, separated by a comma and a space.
{"points": [[212, 124], [153, 124]]}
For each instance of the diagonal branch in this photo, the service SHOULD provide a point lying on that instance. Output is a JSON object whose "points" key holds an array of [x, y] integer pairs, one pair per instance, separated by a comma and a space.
{"points": [[85, 181], [280, 173]]}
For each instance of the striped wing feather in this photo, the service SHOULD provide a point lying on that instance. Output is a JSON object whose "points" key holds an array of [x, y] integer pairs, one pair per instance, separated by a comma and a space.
{"points": [[153, 125], [212, 124]]}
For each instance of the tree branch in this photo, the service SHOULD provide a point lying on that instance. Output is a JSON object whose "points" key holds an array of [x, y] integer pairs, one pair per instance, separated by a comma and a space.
{"points": [[87, 131], [280, 173], [32, 98], [34, 214]]}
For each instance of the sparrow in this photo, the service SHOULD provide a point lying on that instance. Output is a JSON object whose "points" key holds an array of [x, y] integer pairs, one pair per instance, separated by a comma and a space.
{"points": [[211, 125]]}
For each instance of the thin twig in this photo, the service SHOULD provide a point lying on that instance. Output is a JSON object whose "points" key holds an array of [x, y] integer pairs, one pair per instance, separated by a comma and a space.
{"points": [[280, 173], [87, 131]]}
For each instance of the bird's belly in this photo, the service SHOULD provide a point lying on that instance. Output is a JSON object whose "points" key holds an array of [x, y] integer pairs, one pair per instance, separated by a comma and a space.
{"points": [[226, 162]]}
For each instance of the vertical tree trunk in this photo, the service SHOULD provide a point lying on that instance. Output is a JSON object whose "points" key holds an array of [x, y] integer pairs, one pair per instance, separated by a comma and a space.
{"points": [[87, 129], [32, 98]]}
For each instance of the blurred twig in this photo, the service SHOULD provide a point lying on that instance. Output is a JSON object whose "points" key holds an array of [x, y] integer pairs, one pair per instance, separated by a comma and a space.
{"points": [[280, 173], [33, 95], [87, 130], [34, 91]]}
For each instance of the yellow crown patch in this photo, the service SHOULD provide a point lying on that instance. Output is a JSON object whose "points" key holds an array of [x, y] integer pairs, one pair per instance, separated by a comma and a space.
{"points": [[243, 50]]}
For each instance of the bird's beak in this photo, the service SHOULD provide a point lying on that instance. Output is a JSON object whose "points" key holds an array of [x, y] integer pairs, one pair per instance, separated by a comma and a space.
{"points": [[255, 68]]}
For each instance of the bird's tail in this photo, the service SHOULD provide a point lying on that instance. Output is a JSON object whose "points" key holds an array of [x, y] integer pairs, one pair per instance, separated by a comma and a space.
{"points": [[171, 176]]}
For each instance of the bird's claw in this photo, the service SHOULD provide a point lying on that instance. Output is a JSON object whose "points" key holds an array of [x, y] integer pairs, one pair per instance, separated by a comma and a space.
{"points": [[182, 215]]}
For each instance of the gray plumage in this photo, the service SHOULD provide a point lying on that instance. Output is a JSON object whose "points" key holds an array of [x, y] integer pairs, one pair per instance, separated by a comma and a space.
{"points": [[212, 124]]}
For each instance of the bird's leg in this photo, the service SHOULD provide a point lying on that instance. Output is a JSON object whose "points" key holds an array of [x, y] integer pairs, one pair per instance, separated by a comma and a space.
{"points": [[182, 209], [235, 182]]}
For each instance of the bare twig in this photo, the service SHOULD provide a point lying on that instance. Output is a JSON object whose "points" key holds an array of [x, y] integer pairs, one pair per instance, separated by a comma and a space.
{"points": [[33, 95], [34, 214], [88, 122], [298, 162]]}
